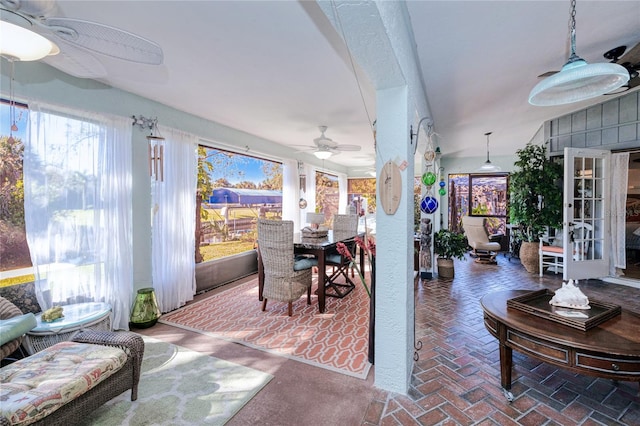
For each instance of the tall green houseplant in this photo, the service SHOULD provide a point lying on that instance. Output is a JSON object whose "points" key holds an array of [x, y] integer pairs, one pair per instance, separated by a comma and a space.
{"points": [[535, 196], [448, 245]]}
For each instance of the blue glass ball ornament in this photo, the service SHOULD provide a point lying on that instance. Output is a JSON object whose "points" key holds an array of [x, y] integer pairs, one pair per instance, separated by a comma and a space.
{"points": [[442, 191], [428, 204], [442, 184], [429, 178]]}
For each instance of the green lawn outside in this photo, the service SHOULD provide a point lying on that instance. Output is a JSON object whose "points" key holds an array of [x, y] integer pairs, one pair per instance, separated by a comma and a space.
{"points": [[228, 248]]}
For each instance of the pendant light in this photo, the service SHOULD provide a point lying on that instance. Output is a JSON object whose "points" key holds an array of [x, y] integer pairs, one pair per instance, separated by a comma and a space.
{"points": [[578, 80], [488, 167]]}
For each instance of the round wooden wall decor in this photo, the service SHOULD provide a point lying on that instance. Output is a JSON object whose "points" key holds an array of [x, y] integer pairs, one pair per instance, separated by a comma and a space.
{"points": [[390, 187]]}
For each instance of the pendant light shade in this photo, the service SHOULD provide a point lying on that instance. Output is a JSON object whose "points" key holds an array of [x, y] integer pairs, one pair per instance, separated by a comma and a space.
{"points": [[322, 154], [578, 80], [20, 44], [488, 167]]}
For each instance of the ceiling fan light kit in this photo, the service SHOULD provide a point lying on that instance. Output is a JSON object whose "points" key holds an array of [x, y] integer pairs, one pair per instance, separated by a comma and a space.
{"points": [[322, 155], [21, 44], [323, 147], [578, 80], [28, 32]]}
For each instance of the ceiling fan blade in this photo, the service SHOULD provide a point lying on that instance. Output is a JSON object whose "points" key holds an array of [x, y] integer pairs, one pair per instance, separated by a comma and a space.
{"points": [[632, 56], [106, 40], [348, 148], [548, 74], [76, 62]]}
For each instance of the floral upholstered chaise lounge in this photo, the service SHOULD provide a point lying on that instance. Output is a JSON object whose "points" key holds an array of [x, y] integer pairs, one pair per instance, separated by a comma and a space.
{"points": [[62, 384]]}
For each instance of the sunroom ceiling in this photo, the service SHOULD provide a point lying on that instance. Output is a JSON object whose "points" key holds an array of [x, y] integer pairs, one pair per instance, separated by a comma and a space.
{"points": [[276, 69]]}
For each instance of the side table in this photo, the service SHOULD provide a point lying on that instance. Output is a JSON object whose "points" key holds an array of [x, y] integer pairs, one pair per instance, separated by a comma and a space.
{"points": [[79, 316]]}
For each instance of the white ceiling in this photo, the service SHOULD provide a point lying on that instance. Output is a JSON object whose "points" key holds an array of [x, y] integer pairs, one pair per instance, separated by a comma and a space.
{"points": [[274, 68]]}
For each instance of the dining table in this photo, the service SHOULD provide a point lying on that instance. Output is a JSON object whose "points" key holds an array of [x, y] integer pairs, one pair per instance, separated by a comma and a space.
{"points": [[318, 247]]}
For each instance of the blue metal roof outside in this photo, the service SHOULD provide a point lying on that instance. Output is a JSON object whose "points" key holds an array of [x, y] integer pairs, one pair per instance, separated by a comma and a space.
{"points": [[245, 196]]}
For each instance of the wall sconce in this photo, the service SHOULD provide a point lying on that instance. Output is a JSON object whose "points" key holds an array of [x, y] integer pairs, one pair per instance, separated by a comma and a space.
{"points": [[417, 133], [156, 147]]}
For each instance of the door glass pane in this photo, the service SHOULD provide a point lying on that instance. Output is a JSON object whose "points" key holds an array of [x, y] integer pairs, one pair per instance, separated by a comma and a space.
{"points": [[587, 169], [597, 189], [598, 171]]}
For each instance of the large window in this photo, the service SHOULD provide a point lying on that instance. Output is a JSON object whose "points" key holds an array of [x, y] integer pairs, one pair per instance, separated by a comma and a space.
{"points": [[479, 195], [14, 251], [233, 191]]}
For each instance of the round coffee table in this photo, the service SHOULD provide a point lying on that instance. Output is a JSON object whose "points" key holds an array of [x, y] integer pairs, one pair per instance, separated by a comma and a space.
{"points": [[79, 316]]}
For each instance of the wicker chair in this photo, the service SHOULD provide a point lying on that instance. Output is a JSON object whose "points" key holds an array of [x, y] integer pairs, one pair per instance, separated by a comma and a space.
{"points": [[282, 281], [344, 227]]}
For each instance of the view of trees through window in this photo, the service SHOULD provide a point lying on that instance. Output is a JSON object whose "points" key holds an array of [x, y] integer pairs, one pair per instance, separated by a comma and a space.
{"points": [[327, 195], [479, 195], [14, 251], [361, 195], [233, 191]]}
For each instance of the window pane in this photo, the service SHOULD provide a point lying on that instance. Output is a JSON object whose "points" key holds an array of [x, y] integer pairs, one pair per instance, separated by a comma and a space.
{"points": [[234, 190], [14, 251], [488, 195], [327, 195], [361, 195], [458, 200]]}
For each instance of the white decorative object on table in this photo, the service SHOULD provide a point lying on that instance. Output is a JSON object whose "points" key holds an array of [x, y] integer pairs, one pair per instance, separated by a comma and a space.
{"points": [[570, 296]]}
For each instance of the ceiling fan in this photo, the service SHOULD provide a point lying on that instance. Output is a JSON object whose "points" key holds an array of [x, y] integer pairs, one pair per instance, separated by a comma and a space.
{"points": [[79, 40], [630, 61], [325, 147]]}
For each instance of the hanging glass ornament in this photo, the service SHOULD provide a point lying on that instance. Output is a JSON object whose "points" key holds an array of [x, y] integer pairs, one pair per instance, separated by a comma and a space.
{"points": [[429, 152], [428, 178], [442, 184], [442, 191], [429, 156], [429, 204]]}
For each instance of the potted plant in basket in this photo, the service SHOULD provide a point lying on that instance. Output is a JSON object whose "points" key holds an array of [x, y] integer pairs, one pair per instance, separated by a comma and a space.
{"points": [[535, 200], [448, 245]]}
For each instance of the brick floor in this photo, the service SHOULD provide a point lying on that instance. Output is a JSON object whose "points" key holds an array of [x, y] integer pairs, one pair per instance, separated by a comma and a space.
{"points": [[456, 380]]}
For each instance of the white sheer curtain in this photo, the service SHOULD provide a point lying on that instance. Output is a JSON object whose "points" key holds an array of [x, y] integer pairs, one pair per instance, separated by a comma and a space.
{"points": [[343, 202], [173, 233], [77, 183], [290, 192], [619, 183]]}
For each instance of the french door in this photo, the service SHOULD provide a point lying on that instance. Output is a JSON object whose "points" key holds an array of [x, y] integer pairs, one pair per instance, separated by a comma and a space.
{"points": [[586, 213]]}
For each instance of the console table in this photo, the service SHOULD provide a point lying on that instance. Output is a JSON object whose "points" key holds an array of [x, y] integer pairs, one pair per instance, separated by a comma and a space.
{"points": [[610, 350]]}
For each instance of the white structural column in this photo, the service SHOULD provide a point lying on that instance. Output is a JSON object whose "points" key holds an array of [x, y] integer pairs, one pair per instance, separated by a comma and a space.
{"points": [[394, 246], [380, 39]]}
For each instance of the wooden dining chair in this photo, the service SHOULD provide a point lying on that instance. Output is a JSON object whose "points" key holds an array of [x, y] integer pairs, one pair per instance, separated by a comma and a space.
{"points": [[345, 227], [285, 277]]}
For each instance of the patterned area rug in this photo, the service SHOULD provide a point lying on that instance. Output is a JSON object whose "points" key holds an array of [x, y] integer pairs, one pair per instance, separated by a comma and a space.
{"points": [[179, 386], [336, 340]]}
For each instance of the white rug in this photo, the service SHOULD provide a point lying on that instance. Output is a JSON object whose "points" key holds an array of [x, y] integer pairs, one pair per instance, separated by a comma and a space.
{"points": [[179, 386]]}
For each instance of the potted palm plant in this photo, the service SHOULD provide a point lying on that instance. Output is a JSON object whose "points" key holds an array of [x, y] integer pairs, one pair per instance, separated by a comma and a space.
{"points": [[448, 245], [535, 200]]}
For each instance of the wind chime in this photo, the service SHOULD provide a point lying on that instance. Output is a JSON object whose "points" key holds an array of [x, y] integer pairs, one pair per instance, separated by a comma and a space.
{"points": [[429, 203], [156, 146]]}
